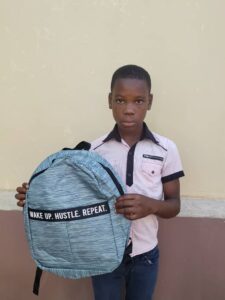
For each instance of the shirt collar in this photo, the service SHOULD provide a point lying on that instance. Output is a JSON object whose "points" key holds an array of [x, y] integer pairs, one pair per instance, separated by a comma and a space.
{"points": [[146, 134]]}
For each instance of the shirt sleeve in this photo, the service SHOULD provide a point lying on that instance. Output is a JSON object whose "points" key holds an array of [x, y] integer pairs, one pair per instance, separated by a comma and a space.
{"points": [[172, 168]]}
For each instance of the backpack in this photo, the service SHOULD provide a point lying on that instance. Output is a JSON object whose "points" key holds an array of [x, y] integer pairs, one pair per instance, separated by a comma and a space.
{"points": [[70, 220]]}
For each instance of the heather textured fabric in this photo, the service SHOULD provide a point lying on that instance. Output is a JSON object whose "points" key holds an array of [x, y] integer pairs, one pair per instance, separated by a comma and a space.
{"points": [[70, 220]]}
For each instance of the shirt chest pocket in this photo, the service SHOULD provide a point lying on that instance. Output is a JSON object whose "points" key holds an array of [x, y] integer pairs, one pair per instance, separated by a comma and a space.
{"points": [[151, 171]]}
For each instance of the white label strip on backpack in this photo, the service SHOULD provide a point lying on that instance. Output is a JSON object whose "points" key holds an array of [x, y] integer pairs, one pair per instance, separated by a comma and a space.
{"points": [[70, 214]]}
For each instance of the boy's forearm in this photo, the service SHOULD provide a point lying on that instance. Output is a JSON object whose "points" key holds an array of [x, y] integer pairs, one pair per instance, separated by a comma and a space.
{"points": [[168, 208]]}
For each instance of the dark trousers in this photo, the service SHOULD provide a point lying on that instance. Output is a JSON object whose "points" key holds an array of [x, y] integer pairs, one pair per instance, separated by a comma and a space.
{"points": [[135, 277]]}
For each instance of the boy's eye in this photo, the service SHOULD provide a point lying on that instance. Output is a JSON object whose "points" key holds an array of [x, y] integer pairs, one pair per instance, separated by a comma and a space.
{"points": [[119, 100], [139, 101]]}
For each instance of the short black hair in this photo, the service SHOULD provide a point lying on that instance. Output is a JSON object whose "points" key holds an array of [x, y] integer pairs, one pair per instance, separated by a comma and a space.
{"points": [[131, 71]]}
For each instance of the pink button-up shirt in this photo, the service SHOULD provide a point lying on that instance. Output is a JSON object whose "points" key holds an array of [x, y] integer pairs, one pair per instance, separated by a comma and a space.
{"points": [[144, 168]]}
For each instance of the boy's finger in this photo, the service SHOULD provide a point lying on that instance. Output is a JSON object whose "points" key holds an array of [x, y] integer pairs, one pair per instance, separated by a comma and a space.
{"points": [[20, 197], [124, 203], [126, 197], [21, 190], [125, 211], [25, 185], [130, 216], [21, 203]]}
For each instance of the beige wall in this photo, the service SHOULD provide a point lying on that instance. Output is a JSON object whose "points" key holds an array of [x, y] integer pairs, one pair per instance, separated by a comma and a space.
{"points": [[56, 62]]}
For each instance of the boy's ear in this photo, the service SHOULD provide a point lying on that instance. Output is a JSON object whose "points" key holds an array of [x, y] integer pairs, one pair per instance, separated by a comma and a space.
{"points": [[150, 101], [110, 100]]}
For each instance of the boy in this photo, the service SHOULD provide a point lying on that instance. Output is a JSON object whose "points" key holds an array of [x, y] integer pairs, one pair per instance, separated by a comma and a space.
{"points": [[150, 165]]}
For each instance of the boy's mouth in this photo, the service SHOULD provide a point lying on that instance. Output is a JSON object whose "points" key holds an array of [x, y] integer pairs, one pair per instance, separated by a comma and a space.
{"points": [[128, 123]]}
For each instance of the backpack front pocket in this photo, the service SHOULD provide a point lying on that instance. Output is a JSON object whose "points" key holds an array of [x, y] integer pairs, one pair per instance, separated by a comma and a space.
{"points": [[92, 243], [50, 244]]}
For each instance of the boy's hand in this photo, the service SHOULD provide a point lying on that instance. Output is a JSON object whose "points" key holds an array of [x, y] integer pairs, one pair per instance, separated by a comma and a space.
{"points": [[21, 196], [135, 206]]}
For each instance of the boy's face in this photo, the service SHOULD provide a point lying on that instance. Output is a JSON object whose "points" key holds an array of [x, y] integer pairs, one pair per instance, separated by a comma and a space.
{"points": [[129, 100]]}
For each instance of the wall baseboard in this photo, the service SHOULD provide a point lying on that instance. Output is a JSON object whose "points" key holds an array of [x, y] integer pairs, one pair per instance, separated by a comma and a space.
{"points": [[202, 208], [190, 207]]}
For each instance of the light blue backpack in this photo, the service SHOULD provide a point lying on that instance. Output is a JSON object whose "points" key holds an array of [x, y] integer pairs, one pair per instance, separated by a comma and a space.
{"points": [[70, 220]]}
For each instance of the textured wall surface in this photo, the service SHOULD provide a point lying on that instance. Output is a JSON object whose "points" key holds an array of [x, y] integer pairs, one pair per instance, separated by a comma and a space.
{"points": [[56, 62]]}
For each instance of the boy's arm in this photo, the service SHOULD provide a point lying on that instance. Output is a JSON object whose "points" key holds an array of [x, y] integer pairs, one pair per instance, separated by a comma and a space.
{"points": [[170, 207], [135, 206]]}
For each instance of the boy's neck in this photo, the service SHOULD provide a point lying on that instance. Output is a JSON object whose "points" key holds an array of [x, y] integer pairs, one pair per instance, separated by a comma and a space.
{"points": [[131, 137]]}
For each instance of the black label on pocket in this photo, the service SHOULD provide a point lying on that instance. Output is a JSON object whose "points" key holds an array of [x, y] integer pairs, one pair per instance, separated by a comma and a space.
{"points": [[153, 157]]}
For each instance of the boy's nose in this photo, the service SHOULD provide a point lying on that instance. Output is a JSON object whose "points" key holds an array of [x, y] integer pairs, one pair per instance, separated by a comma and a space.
{"points": [[129, 109]]}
